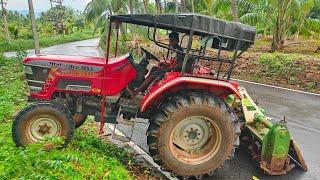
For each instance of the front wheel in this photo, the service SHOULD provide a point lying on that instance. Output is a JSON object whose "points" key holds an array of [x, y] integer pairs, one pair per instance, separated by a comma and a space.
{"points": [[39, 120], [193, 134], [79, 119]]}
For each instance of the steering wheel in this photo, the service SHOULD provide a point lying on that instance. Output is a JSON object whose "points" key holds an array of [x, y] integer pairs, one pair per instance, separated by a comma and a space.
{"points": [[149, 55]]}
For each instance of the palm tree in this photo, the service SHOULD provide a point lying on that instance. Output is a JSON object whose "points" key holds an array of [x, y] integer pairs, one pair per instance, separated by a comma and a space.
{"points": [[302, 24], [217, 8], [183, 6], [159, 6], [192, 4], [279, 18], [4, 20], [177, 5], [97, 12], [34, 28], [259, 13], [145, 5], [234, 10]]}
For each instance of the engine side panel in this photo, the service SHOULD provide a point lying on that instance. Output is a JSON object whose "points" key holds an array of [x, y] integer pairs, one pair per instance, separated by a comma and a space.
{"points": [[49, 74], [174, 83]]}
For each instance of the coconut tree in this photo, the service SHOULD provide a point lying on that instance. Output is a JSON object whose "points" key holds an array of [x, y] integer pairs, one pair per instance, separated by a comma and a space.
{"points": [[34, 27], [301, 23], [217, 8], [278, 17], [183, 6], [192, 5], [97, 12], [234, 10], [259, 13], [145, 5], [158, 6], [4, 20]]}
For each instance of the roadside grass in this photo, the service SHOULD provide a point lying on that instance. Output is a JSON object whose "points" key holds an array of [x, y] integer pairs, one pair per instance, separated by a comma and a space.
{"points": [[290, 70], [278, 64], [86, 157], [24, 44]]}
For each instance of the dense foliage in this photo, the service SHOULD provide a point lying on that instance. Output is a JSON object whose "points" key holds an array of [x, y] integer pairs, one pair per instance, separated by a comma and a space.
{"points": [[280, 64], [72, 21], [86, 156], [45, 41], [57, 25], [280, 18]]}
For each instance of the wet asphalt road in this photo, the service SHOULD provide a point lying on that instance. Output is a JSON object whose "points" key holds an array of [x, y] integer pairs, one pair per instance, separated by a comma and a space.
{"points": [[302, 111], [85, 48]]}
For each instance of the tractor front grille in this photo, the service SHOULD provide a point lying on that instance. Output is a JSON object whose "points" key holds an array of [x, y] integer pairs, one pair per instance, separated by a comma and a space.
{"points": [[36, 77]]}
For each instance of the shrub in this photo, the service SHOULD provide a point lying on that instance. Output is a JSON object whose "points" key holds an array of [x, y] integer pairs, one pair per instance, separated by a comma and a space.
{"points": [[278, 64], [12, 89]]}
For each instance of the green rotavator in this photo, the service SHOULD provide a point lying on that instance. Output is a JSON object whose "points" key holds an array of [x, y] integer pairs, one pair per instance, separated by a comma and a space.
{"points": [[270, 143], [197, 115]]}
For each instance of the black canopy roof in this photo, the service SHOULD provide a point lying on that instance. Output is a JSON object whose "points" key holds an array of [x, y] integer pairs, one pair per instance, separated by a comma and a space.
{"points": [[201, 25]]}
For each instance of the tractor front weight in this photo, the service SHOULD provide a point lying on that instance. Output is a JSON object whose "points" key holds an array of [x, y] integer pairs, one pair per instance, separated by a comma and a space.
{"points": [[269, 143]]}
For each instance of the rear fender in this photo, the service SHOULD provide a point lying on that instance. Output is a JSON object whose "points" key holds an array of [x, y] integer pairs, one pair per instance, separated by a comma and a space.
{"points": [[173, 85]]}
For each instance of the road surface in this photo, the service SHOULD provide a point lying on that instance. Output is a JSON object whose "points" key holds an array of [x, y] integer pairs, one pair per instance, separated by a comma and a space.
{"points": [[85, 48], [302, 111]]}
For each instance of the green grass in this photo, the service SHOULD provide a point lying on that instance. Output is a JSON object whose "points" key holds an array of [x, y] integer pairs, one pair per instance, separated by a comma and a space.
{"points": [[278, 64], [86, 157], [24, 44]]}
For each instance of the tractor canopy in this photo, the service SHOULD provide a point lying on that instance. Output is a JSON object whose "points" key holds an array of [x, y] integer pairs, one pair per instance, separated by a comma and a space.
{"points": [[201, 25]]}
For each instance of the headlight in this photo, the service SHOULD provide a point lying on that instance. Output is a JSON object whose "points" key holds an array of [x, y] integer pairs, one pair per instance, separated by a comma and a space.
{"points": [[28, 70]]}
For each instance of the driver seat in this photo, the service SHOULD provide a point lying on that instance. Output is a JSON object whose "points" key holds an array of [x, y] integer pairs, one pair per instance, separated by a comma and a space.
{"points": [[142, 71]]}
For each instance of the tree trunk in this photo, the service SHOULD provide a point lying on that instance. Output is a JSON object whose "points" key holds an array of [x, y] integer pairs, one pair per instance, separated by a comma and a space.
{"points": [[5, 22], [279, 31], [131, 6], [34, 28], [234, 9], [159, 7], [177, 6], [145, 4], [183, 6], [192, 4]]}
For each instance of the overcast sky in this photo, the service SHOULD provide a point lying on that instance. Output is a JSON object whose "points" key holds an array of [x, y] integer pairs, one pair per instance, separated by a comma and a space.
{"points": [[42, 5]]}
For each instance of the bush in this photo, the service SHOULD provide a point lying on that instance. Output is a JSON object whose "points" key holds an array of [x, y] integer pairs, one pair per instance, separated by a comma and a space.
{"points": [[12, 89], [45, 41], [278, 64]]}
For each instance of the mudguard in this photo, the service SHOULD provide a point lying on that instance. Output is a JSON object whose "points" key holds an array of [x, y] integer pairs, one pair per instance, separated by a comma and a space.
{"points": [[174, 83]]}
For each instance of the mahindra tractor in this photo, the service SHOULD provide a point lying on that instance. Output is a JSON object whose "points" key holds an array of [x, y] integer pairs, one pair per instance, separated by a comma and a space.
{"points": [[197, 116]]}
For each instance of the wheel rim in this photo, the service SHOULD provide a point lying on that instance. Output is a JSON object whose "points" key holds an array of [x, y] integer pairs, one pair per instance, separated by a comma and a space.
{"points": [[195, 140], [42, 126]]}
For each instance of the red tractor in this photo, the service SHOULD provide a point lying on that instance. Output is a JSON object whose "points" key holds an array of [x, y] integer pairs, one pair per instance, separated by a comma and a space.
{"points": [[196, 114]]}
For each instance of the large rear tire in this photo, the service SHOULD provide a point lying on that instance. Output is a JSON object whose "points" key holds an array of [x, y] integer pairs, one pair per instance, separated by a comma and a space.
{"points": [[193, 134], [41, 119]]}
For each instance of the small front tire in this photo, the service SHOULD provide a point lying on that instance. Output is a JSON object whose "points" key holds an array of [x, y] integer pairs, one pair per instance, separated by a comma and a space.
{"points": [[39, 120]]}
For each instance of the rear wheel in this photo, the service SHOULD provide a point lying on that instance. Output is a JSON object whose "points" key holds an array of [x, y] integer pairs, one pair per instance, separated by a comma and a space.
{"points": [[193, 135], [39, 120]]}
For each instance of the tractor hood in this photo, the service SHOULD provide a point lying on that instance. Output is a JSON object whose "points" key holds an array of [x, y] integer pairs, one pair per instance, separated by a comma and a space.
{"points": [[93, 64]]}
